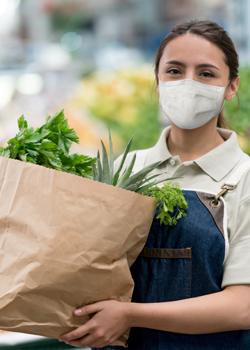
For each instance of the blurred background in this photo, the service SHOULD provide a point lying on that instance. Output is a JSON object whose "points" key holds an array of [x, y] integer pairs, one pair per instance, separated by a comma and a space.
{"points": [[95, 60]]}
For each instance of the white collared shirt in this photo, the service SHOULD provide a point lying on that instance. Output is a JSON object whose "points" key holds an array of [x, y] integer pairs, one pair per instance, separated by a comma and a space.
{"points": [[208, 173]]}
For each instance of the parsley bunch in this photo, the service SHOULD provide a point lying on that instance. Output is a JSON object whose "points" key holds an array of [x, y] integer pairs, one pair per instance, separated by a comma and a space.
{"points": [[48, 146], [170, 199]]}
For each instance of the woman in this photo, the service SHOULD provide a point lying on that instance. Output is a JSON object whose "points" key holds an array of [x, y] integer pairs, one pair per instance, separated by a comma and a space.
{"points": [[192, 281]]}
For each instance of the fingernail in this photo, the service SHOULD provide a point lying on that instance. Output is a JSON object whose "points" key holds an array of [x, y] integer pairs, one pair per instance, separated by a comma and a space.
{"points": [[78, 312]]}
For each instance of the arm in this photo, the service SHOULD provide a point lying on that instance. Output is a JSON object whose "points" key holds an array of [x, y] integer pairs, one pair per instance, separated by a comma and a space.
{"points": [[223, 311]]}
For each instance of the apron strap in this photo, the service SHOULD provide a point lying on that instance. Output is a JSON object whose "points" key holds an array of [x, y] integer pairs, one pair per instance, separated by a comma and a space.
{"points": [[232, 182], [237, 175]]}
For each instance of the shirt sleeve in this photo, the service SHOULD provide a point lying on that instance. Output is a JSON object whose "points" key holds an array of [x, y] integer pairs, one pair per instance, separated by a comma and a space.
{"points": [[128, 160], [237, 264]]}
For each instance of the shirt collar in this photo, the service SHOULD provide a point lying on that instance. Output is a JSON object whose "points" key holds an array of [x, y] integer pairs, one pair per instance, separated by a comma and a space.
{"points": [[222, 159], [216, 163]]}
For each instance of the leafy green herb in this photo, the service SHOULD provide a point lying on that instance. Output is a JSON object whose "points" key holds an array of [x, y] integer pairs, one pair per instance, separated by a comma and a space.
{"points": [[170, 200], [48, 146]]}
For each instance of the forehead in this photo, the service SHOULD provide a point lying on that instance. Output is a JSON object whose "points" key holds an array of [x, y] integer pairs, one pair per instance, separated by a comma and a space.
{"points": [[193, 49]]}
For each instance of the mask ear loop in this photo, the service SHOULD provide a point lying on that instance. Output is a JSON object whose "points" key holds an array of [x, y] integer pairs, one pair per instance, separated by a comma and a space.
{"points": [[224, 99]]}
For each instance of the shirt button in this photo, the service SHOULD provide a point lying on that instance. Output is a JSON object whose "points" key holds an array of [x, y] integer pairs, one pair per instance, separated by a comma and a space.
{"points": [[172, 161]]}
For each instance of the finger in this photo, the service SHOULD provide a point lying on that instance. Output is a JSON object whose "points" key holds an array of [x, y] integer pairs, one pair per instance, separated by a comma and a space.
{"points": [[88, 309], [76, 334], [90, 341]]}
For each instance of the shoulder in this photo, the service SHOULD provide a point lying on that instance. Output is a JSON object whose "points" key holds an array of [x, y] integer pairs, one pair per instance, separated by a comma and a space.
{"points": [[244, 166], [141, 156], [147, 156], [245, 191]]}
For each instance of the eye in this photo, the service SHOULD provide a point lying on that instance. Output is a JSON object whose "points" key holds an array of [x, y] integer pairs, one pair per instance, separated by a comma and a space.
{"points": [[207, 74], [173, 71]]}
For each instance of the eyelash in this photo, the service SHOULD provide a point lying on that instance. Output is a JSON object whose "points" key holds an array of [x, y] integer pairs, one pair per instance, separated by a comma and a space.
{"points": [[210, 75]]}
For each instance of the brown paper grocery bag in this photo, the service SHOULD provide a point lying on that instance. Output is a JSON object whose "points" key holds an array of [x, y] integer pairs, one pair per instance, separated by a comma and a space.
{"points": [[65, 242]]}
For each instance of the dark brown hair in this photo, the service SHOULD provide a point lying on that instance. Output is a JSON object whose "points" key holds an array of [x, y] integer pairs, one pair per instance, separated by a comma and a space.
{"points": [[213, 33]]}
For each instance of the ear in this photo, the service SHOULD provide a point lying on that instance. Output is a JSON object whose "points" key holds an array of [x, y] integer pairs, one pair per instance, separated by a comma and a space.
{"points": [[232, 89]]}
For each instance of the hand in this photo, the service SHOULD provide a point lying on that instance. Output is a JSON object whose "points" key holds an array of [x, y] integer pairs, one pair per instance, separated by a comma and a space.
{"points": [[108, 324]]}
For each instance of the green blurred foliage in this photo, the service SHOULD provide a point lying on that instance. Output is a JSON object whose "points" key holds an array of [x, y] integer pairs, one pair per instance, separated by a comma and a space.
{"points": [[127, 102], [63, 22], [237, 111], [67, 16]]}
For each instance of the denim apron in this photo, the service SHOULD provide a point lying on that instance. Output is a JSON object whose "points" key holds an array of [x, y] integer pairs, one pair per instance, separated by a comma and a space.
{"points": [[181, 262]]}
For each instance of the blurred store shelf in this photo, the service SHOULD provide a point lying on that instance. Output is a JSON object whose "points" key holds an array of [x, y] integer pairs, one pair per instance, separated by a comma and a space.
{"points": [[21, 341]]}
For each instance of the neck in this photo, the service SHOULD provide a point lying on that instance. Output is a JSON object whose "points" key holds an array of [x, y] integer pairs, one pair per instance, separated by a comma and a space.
{"points": [[192, 144]]}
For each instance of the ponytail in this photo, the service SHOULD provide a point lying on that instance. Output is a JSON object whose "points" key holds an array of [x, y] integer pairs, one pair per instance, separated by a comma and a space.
{"points": [[222, 123]]}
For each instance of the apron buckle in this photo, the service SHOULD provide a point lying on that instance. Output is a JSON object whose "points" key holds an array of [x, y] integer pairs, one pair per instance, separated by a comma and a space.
{"points": [[215, 203]]}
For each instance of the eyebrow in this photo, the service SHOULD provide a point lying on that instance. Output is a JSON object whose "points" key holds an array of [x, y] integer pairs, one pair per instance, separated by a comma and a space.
{"points": [[203, 65]]}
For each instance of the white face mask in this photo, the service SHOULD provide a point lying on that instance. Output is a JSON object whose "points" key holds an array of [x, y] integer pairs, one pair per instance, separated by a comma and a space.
{"points": [[190, 104]]}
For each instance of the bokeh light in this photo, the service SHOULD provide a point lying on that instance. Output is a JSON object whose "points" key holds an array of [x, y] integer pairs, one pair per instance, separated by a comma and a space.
{"points": [[7, 89], [8, 5], [71, 41], [30, 84]]}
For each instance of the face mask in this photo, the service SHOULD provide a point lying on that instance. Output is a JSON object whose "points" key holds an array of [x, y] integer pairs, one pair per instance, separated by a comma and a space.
{"points": [[190, 104]]}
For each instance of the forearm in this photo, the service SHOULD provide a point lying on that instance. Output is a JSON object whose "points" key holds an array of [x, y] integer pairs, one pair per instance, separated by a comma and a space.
{"points": [[223, 311]]}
